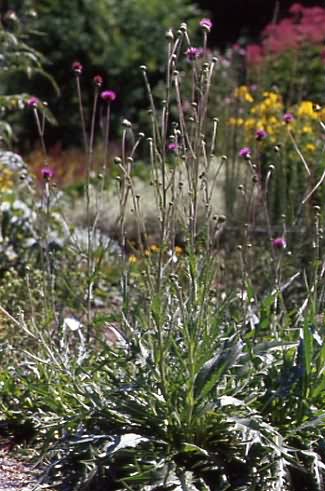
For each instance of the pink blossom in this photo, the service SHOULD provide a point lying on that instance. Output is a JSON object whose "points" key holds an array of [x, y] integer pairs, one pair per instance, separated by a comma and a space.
{"points": [[280, 37], [254, 54], [206, 24], [261, 134], [193, 53], [279, 243], [305, 25], [296, 9], [33, 102], [47, 173], [288, 118], [245, 152], [108, 95], [172, 147]]}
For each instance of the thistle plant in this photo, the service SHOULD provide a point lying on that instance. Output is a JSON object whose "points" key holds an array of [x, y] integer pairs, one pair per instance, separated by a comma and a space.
{"points": [[194, 386]]}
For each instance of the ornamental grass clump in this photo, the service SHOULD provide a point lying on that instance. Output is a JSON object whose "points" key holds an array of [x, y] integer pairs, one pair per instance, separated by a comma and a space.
{"points": [[193, 382]]}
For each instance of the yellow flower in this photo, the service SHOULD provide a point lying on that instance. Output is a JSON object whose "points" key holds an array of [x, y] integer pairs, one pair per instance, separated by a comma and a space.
{"points": [[260, 124], [274, 121], [306, 109], [250, 123], [243, 93], [154, 248], [178, 250], [310, 147], [6, 180], [272, 101], [236, 121], [133, 259], [274, 97], [307, 130]]}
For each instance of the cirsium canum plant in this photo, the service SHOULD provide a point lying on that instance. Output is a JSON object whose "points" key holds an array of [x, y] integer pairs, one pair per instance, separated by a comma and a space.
{"points": [[197, 387]]}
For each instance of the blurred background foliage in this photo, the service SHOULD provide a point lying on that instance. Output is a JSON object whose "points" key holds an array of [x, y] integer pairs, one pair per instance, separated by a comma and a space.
{"points": [[291, 54], [109, 37], [18, 60], [113, 38]]}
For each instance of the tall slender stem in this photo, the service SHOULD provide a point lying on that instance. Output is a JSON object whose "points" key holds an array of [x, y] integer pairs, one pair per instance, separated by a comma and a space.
{"points": [[82, 115], [90, 230]]}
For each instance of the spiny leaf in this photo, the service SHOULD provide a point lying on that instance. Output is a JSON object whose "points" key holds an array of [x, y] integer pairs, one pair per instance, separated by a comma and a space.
{"points": [[212, 371]]}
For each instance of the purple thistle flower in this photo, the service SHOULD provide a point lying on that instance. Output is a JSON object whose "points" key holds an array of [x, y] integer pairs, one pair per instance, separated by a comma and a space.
{"points": [[206, 24], [279, 243], [172, 147], [47, 173], [108, 95], [261, 134], [77, 68], [245, 152], [288, 118], [33, 102], [193, 53]]}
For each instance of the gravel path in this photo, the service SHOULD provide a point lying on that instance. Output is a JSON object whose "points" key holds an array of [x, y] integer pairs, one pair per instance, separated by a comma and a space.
{"points": [[14, 475]]}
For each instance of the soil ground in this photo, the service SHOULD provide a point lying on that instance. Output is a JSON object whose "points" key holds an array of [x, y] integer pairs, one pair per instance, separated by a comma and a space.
{"points": [[14, 475]]}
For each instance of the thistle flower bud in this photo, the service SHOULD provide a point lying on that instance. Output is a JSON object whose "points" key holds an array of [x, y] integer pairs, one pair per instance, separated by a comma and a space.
{"points": [[98, 80], [47, 173], [206, 24], [77, 68], [33, 102]]}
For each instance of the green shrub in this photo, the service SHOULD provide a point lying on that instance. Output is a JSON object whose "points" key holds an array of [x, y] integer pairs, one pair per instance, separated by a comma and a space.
{"points": [[109, 37], [18, 61]]}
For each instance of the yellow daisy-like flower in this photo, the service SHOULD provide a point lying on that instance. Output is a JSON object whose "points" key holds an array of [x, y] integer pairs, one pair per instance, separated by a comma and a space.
{"points": [[272, 102], [274, 97], [306, 130], [250, 123], [179, 250], [306, 109], [154, 248], [310, 147], [243, 93], [236, 121], [133, 259], [274, 121]]}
